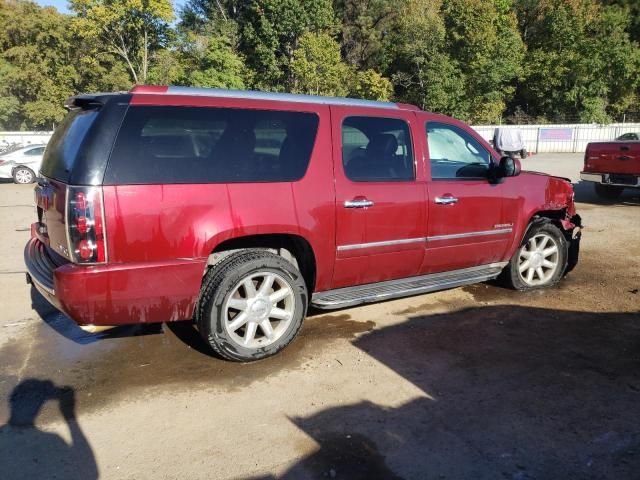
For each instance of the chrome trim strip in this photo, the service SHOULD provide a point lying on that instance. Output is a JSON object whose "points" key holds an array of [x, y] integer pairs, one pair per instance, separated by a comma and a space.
{"points": [[497, 231], [358, 246], [591, 177], [281, 97]]}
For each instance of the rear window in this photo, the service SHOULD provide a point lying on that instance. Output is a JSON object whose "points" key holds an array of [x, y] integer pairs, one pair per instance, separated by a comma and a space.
{"points": [[211, 145], [62, 150]]}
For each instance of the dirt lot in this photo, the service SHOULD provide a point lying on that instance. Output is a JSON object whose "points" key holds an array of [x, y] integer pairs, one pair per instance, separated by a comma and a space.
{"points": [[476, 382]]}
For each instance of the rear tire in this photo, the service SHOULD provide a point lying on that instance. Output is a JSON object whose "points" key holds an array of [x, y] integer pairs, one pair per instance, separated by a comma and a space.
{"points": [[540, 261], [23, 175], [252, 305], [608, 192]]}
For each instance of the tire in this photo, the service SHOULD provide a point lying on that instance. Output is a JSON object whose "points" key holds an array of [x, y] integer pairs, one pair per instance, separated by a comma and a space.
{"points": [[608, 192], [523, 153], [545, 267], [23, 175], [224, 299]]}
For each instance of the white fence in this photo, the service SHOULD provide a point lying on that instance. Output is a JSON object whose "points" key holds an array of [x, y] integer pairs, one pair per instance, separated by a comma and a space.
{"points": [[24, 138], [562, 138], [539, 138]]}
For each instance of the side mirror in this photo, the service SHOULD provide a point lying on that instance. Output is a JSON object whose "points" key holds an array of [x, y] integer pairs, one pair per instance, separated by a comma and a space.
{"points": [[508, 167]]}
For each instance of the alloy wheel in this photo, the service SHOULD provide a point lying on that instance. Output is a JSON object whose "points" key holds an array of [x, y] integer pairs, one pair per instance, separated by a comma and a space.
{"points": [[259, 309], [539, 260], [23, 176]]}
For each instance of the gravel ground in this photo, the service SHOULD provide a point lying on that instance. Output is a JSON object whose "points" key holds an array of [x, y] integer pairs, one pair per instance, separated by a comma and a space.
{"points": [[475, 382]]}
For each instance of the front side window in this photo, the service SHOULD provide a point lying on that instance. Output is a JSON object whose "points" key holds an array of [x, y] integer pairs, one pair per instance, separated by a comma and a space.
{"points": [[376, 149], [454, 154], [211, 145]]}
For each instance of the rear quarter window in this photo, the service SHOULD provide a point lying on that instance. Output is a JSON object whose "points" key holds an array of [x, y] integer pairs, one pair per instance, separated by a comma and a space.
{"points": [[211, 145], [61, 153]]}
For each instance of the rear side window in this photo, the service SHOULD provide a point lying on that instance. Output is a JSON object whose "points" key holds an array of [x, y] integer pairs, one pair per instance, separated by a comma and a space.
{"points": [[376, 149], [211, 145], [62, 150]]}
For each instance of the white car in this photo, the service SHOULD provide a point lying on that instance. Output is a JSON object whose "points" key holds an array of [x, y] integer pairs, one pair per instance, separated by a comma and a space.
{"points": [[23, 164]]}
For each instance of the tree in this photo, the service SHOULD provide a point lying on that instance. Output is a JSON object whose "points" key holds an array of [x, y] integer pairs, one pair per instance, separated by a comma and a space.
{"points": [[36, 74], [365, 25], [269, 33], [317, 67], [483, 41], [581, 64], [131, 29]]}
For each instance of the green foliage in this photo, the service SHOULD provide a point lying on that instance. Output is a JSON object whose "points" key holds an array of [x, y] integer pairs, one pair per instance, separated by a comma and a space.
{"points": [[581, 62], [478, 60], [317, 67], [270, 31], [371, 85], [131, 29]]}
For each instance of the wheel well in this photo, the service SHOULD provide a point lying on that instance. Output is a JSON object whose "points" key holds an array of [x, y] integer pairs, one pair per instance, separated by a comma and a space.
{"points": [[553, 216], [294, 248]]}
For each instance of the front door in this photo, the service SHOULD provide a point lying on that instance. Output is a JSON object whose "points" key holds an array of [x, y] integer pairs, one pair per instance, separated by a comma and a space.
{"points": [[465, 210], [380, 212]]}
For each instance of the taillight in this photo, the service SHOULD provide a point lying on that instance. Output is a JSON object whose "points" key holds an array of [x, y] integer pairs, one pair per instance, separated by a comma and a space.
{"points": [[85, 225]]}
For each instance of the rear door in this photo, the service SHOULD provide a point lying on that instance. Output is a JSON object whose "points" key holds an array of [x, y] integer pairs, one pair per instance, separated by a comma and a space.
{"points": [[465, 227], [380, 214]]}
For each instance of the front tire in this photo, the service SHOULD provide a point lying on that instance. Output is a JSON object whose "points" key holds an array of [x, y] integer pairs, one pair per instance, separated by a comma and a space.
{"points": [[23, 175], [608, 192], [540, 261], [251, 306]]}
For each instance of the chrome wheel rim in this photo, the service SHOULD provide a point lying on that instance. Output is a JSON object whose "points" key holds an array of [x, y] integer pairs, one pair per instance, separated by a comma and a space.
{"points": [[259, 310], [24, 176], [538, 260]]}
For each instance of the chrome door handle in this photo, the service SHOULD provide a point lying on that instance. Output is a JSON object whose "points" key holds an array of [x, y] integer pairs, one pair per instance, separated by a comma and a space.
{"points": [[447, 200], [360, 203]]}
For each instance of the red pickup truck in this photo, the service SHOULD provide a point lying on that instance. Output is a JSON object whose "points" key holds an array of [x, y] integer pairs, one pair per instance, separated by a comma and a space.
{"points": [[612, 167], [239, 210]]}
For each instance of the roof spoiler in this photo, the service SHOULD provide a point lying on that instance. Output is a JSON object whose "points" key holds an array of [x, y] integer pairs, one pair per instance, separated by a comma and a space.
{"points": [[91, 100]]}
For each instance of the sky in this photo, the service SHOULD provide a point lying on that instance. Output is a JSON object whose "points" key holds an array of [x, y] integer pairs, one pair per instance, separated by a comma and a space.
{"points": [[61, 5]]}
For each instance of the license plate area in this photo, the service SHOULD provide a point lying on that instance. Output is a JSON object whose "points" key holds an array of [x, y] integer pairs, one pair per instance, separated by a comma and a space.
{"points": [[623, 179]]}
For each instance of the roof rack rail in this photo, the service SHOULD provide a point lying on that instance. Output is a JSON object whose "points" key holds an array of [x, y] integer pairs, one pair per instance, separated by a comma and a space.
{"points": [[255, 95]]}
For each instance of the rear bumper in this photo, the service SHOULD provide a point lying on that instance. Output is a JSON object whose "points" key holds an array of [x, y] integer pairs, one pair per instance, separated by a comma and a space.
{"points": [[615, 179], [115, 294], [6, 171]]}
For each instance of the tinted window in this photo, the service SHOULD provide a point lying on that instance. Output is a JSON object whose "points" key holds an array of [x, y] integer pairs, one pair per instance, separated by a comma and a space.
{"points": [[454, 153], [377, 149], [35, 151], [62, 149], [211, 145]]}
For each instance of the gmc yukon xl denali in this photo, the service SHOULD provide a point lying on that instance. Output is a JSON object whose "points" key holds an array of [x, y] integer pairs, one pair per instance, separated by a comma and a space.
{"points": [[240, 210], [612, 167]]}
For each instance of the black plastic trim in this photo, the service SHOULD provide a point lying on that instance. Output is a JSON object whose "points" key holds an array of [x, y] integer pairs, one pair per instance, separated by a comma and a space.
{"points": [[93, 156]]}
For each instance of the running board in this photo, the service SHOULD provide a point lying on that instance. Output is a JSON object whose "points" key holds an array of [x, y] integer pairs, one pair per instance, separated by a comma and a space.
{"points": [[375, 292]]}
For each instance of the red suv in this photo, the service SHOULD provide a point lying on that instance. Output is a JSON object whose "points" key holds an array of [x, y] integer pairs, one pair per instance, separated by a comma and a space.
{"points": [[239, 210]]}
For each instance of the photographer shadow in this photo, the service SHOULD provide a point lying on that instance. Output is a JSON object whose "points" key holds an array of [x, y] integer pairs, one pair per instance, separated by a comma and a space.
{"points": [[27, 452]]}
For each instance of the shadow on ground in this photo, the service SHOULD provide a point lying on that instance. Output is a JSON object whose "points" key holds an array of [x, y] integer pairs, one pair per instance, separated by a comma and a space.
{"points": [[585, 193], [62, 325], [27, 452], [509, 392]]}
